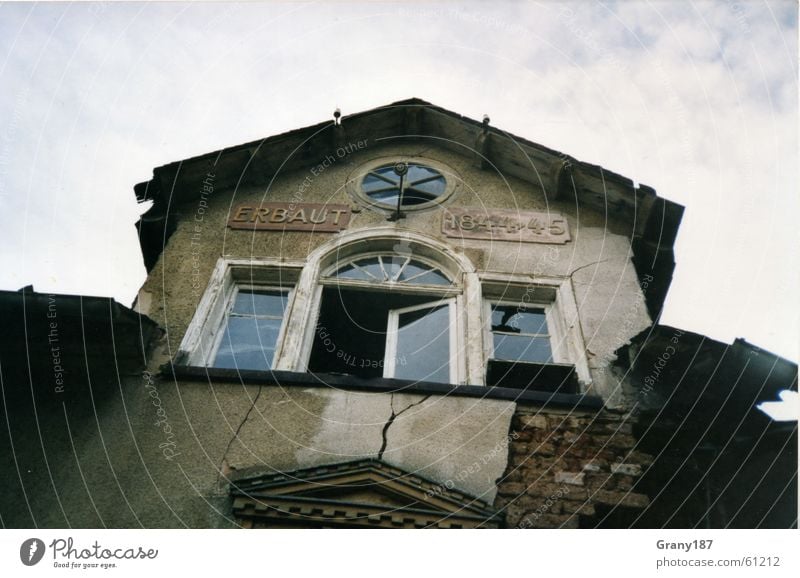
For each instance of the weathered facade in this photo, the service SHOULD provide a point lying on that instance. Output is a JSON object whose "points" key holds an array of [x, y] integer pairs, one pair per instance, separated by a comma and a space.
{"points": [[402, 318]]}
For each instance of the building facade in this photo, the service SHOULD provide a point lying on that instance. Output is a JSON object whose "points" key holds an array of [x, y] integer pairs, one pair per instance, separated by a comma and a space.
{"points": [[399, 318]]}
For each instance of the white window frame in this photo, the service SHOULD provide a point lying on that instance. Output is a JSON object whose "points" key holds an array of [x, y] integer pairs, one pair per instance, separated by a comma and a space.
{"points": [[201, 341], [557, 297], [390, 355], [305, 277], [231, 300]]}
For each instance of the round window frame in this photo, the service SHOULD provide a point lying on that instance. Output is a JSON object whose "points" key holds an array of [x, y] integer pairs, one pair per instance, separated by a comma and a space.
{"points": [[356, 191]]}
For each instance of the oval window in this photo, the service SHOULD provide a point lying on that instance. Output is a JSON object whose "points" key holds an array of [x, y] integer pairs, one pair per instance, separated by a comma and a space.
{"points": [[419, 184]]}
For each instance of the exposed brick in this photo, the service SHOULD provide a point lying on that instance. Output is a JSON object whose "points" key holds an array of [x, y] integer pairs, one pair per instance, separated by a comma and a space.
{"points": [[544, 449], [533, 421], [622, 441], [534, 521], [624, 482], [512, 489], [584, 508], [546, 490], [522, 436], [572, 478], [620, 428], [626, 469], [598, 481]]}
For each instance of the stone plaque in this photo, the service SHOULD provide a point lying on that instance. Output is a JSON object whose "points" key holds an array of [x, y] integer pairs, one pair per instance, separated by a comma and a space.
{"points": [[505, 225], [289, 217]]}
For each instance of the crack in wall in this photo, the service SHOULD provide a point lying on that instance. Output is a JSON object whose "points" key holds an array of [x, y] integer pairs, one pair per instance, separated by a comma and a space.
{"points": [[224, 459], [391, 419], [587, 265]]}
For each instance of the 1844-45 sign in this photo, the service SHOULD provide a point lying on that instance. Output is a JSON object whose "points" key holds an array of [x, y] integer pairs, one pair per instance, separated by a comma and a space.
{"points": [[289, 217], [505, 225]]}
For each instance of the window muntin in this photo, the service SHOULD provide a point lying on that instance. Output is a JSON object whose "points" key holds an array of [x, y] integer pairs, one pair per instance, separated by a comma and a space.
{"points": [[253, 328], [520, 334], [420, 185]]}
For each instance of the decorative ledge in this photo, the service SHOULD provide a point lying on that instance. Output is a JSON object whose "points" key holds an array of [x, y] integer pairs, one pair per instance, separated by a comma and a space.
{"points": [[380, 385]]}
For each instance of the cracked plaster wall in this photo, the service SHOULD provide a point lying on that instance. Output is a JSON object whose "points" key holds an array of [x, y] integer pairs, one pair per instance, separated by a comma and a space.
{"points": [[458, 441]]}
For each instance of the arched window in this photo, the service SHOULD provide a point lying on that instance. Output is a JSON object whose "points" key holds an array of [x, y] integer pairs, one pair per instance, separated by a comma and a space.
{"points": [[387, 268], [389, 314]]}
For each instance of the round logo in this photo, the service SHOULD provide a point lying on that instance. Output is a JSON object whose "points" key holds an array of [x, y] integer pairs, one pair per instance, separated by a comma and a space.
{"points": [[31, 551]]}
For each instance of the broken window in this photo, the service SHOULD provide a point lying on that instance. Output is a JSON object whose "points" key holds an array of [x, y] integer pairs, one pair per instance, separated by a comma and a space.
{"points": [[520, 334], [523, 352], [387, 316]]}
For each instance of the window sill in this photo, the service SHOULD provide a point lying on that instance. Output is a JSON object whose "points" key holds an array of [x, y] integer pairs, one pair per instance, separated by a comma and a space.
{"points": [[380, 385]]}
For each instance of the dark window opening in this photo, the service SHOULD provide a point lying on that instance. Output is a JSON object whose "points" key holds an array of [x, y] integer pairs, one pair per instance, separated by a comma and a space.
{"points": [[353, 327]]}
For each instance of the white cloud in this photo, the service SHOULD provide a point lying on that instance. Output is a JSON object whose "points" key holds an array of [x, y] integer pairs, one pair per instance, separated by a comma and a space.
{"points": [[698, 100]]}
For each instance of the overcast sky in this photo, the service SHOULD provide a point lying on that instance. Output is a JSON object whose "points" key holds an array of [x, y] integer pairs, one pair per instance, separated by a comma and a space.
{"points": [[696, 99]]}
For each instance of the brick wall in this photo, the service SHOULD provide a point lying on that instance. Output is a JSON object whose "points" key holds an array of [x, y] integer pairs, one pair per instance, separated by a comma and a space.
{"points": [[571, 471]]}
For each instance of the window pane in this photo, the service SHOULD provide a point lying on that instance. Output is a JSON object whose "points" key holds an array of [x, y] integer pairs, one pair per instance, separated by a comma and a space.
{"points": [[421, 184], [416, 197], [248, 343], [419, 172], [432, 277], [392, 264], [512, 319], [388, 197], [522, 348], [351, 272], [423, 345], [372, 182], [371, 266], [271, 303]]}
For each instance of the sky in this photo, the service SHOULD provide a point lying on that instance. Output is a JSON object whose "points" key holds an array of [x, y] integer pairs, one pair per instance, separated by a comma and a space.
{"points": [[696, 99]]}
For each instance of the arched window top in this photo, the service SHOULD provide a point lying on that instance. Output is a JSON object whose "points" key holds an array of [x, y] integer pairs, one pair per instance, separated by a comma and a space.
{"points": [[388, 268]]}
